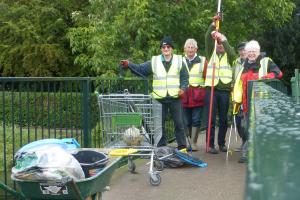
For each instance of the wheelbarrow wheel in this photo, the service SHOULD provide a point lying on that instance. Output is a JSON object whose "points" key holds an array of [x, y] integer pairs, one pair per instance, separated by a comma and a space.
{"points": [[97, 196], [131, 166], [159, 165], [155, 179]]}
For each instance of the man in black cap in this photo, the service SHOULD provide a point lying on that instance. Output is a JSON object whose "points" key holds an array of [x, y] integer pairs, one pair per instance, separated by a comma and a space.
{"points": [[170, 80], [237, 64]]}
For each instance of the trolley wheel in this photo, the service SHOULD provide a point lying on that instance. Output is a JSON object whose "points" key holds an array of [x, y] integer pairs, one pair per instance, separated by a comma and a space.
{"points": [[155, 179], [159, 165], [97, 196], [131, 166]]}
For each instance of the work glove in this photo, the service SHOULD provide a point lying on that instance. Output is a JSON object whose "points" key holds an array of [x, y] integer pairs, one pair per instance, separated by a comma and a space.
{"points": [[236, 108], [269, 75], [124, 63]]}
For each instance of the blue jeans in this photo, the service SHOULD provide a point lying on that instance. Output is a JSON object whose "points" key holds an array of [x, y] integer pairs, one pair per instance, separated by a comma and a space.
{"points": [[220, 104], [172, 106], [192, 116]]}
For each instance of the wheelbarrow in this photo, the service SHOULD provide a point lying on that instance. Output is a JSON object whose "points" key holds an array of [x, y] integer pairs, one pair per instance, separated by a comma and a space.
{"points": [[87, 189]]}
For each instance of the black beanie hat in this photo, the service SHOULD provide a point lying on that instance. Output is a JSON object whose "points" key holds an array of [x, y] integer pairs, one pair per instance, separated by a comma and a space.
{"points": [[167, 40], [241, 45]]}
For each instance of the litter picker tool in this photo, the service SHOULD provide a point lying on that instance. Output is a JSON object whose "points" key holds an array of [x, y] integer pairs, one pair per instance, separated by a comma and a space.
{"points": [[229, 140], [217, 24], [235, 130]]}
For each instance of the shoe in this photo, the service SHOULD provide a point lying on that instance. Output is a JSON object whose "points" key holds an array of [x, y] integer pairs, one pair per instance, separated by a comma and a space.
{"points": [[182, 148], [239, 149], [223, 148], [213, 150], [243, 159], [194, 138]]}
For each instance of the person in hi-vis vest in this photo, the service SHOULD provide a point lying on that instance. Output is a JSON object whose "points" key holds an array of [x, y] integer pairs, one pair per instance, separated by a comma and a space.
{"points": [[238, 112], [193, 98], [255, 67], [222, 59], [170, 80]]}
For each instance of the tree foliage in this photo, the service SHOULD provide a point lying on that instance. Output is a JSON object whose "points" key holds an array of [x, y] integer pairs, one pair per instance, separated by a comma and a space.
{"points": [[282, 44], [33, 38], [117, 29], [88, 38]]}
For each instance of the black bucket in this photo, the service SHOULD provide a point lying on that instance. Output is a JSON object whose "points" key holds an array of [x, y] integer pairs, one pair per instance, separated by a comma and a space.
{"points": [[91, 162]]}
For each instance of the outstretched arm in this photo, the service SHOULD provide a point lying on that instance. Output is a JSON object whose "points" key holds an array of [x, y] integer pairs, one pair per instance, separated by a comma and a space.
{"points": [[142, 70], [273, 71]]}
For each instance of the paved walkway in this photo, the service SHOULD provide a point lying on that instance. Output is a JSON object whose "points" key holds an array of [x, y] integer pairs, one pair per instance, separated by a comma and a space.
{"points": [[221, 180]]}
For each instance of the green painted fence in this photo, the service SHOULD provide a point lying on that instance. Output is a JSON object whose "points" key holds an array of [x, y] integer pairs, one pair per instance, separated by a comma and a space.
{"points": [[39, 108], [274, 145]]}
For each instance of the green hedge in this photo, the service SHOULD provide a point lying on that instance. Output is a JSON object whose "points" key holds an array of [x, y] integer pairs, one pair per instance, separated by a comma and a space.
{"points": [[63, 110]]}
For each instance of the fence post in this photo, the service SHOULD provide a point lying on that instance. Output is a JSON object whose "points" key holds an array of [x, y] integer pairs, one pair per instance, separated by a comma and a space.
{"points": [[297, 84], [86, 112]]}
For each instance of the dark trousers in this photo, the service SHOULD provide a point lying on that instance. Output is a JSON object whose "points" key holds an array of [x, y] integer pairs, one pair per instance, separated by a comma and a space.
{"points": [[220, 105], [241, 128], [174, 107], [192, 116]]}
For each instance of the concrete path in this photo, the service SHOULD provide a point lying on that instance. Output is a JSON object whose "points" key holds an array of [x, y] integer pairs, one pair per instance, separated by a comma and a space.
{"points": [[221, 180]]}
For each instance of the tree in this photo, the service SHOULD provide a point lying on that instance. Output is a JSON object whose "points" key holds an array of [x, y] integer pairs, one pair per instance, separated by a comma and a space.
{"points": [[116, 29], [281, 43], [33, 38]]}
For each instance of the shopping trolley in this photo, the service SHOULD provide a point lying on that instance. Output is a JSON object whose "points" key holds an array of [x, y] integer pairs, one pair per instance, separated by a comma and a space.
{"points": [[131, 126]]}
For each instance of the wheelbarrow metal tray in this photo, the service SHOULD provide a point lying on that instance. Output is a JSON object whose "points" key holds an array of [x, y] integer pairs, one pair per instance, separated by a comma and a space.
{"points": [[69, 190]]}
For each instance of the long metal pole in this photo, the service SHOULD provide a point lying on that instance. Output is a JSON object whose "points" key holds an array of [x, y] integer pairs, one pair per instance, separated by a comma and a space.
{"points": [[217, 24]]}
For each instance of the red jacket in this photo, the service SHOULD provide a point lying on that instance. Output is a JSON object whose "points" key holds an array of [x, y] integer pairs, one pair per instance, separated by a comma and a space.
{"points": [[193, 97], [251, 73]]}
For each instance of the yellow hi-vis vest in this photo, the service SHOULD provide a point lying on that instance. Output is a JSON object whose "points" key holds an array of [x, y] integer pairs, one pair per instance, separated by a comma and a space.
{"points": [[223, 70], [238, 65], [166, 82], [238, 85], [196, 73]]}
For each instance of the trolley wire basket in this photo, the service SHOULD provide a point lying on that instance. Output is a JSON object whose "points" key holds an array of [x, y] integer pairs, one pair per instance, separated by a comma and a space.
{"points": [[131, 126]]}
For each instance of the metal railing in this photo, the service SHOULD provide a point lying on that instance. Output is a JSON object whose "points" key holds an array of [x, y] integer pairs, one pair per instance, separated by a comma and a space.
{"points": [[295, 83], [39, 108], [273, 144]]}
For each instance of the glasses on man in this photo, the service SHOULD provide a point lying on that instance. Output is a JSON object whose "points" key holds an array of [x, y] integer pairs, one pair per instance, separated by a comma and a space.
{"points": [[166, 47]]}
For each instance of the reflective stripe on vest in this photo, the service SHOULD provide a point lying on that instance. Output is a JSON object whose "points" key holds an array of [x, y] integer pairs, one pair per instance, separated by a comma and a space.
{"points": [[238, 65], [238, 85], [166, 82], [263, 70], [196, 73], [223, 71]]}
